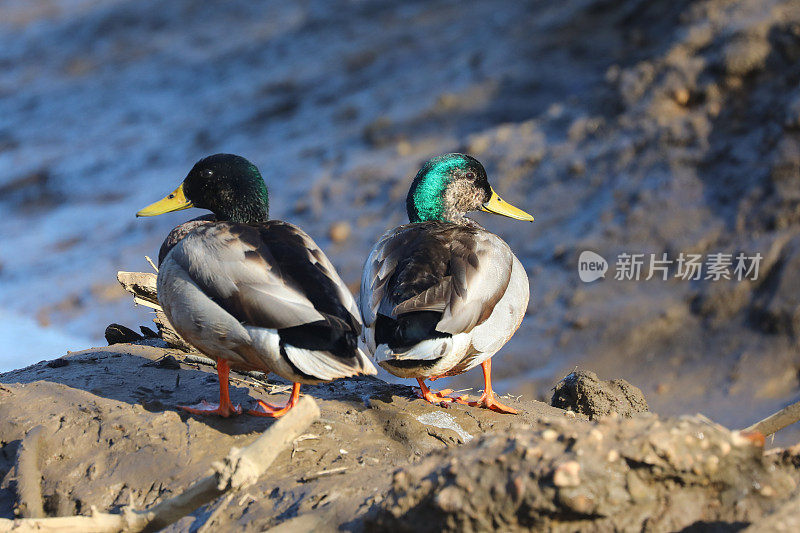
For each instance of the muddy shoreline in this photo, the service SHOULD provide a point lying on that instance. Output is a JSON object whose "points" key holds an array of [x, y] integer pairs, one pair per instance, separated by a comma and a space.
{"points": [[378, 457]]}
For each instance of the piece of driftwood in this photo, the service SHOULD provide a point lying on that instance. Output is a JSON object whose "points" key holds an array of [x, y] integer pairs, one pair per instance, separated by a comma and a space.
{"points": [[150, 262], [323, 473], [258, 375], [241, 468], [775, 422], [29, 475], [142, 285]]}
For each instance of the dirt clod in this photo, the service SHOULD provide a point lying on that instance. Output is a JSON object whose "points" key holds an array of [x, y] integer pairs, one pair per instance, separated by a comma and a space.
{"points": [[583, 392]]}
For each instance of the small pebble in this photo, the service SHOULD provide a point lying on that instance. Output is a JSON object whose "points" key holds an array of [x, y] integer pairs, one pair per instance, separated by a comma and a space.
{"points": [[339, 231], [549, 435], [681, 96], [567, 475]]}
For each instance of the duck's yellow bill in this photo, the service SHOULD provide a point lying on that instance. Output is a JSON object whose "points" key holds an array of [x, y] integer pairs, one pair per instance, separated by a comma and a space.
{"points": [[175, 201], [498, 206]]}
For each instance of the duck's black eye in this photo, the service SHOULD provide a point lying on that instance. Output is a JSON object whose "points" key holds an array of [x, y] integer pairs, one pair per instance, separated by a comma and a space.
{"points": [[470, 175], [207, 173]]}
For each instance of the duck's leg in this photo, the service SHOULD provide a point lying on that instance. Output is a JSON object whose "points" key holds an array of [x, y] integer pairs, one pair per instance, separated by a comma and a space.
{"points": [[273, 411], [437, 397], [488, 399], [224, 408]]}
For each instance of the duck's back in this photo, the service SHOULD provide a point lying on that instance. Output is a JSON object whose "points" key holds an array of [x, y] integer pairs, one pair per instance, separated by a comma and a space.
{"points": [[427, 286], [263, 296], [179, 232]]}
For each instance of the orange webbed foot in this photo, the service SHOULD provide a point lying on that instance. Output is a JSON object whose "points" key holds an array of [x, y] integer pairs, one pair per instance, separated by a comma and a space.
{"points": [[205, 408], [440, 398], [270, 411], [273, 411], [224, 408], [489, 401]]}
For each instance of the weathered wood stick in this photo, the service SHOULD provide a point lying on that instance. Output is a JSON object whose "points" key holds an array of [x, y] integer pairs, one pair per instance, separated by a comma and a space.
{"points": [[29, 476], [775, 422], [199, 359], [203, 360], [150, 261], [140, 284], [239, 469]]}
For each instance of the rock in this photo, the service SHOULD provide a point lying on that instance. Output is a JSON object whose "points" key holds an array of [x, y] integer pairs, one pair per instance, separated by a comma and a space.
{"points": [[117, 333], [583, 392], [567, 475], [681, 96], [339, 231], [167, 362]]}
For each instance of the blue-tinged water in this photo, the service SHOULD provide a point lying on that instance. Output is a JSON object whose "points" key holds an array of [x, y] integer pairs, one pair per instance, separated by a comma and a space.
{"points": [[23, 341]]}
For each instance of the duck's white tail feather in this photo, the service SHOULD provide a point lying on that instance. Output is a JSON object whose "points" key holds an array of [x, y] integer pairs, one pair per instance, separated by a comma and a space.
{"points": [[326, 366], [426, 350], [367, 368]]}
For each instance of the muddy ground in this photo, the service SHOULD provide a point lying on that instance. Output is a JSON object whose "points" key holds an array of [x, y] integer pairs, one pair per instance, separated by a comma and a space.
{"points": [[378, 458], [112, 433]]}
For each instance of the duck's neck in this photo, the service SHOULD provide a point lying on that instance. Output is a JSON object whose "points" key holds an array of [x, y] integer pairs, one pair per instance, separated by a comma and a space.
{"points": [[436, 200], [245, 214], [251, 207]]}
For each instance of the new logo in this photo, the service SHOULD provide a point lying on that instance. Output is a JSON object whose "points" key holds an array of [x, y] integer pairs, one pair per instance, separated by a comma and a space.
{"points": [[591, 266]]}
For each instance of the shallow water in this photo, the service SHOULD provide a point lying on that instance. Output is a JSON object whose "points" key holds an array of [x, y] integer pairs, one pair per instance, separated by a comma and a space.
{"points": [[23, 341]]}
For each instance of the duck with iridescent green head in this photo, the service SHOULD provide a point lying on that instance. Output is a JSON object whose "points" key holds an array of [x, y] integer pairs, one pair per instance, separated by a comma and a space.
{"points": [[253, 293], [442, 295]]}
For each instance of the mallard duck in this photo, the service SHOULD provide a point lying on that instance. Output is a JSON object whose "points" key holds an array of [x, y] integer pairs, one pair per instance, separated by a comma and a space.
{"points": [[250, 292], [442, 295]]}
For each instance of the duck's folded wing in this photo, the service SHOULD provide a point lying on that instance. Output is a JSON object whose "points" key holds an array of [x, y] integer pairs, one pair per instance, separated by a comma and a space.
{"points": [[378, 268], [459, 272], [272, 276], [318, 258]]}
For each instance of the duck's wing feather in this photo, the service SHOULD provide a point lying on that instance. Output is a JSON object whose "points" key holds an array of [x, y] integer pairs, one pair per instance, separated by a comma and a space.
{"points": [[460, 272], [271, 275], [274, 276]]}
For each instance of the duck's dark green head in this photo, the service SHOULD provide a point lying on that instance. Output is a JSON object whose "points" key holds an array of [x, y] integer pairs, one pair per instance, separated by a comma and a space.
{"points": [[228, 185], [450, 185]]}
